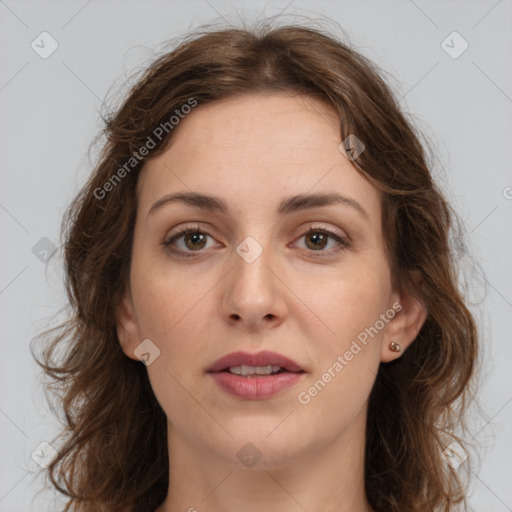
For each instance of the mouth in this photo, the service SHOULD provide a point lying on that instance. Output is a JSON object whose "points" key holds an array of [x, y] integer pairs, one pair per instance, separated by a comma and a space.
{"points": [[255, 365], [255, 371], [255, 376]]}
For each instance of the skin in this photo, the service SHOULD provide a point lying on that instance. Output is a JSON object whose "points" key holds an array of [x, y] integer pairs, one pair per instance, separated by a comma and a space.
{"points": [[253, 151]]}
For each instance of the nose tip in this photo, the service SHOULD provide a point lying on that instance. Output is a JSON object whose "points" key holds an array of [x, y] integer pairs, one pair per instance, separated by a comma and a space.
{"points": [[252, 294]]}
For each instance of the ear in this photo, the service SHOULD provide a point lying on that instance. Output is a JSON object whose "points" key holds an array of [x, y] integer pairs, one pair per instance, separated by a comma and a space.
{"points": [[127, 326], [410, 316]]}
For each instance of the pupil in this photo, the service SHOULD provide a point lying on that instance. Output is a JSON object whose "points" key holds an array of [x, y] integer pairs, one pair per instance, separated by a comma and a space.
{"points": [[317, 237], [193, 236]]}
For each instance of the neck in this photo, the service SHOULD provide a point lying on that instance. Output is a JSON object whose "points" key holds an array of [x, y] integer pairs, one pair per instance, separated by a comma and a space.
{"points": [[327, 477]]}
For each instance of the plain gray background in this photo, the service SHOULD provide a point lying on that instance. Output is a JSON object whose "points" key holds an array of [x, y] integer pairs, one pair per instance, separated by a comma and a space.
{"points": [[50, 114]]}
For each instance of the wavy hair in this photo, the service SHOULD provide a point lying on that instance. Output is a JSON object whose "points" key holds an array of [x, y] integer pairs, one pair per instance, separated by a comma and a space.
{"points": [[112, 451]]}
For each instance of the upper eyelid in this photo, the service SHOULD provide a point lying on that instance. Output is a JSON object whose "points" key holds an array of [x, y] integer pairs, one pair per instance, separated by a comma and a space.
{"points": [[318, 225]]}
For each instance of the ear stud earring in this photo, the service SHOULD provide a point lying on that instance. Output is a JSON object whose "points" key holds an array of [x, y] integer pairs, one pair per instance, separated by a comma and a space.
{"points": [[394, 347]]}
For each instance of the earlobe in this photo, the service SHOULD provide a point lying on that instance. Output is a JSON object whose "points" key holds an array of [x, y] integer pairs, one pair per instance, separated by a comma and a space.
{"points": [[127, 327], [404, 327]]}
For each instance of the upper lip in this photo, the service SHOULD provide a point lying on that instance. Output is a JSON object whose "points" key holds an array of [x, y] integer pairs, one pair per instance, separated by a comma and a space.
{"points": [[264, 358]]}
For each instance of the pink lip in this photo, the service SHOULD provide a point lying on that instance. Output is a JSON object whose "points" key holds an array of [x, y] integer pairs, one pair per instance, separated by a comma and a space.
{"points": [[255, 388], [252, 387]]}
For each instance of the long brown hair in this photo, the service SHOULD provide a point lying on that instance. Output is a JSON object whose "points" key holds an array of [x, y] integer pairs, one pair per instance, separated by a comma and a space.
{"points": [[112, 453]]}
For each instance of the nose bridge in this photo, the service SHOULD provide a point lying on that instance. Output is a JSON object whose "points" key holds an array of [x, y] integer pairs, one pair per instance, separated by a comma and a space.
{"points": [[251, 267], [253, 294]]}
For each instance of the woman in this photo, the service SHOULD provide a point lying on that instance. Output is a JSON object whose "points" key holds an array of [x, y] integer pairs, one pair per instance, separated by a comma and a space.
{"points": [[265, 306]]}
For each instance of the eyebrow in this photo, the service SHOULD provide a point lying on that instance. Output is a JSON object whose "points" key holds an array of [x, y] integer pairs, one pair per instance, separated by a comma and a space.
{"points": [[288, 205]]}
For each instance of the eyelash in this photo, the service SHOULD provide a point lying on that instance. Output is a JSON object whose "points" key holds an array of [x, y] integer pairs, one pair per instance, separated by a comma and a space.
{"points": [[344, 243]]}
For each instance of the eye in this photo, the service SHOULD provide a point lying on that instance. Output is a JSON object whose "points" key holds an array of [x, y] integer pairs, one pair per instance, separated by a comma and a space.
{"points": [[317, 238], [193, 238]]}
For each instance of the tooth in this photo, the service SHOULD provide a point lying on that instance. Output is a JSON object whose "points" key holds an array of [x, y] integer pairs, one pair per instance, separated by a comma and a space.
{"points": [[263, 370], [247, 370], [254, 370]]}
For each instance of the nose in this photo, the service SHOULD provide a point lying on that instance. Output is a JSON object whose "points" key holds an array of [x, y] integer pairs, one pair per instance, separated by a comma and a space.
{"points": [[254, 293]]}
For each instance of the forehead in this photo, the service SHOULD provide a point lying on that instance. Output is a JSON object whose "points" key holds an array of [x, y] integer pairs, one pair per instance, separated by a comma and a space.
{"points": [[255, 124], [257, 148]]}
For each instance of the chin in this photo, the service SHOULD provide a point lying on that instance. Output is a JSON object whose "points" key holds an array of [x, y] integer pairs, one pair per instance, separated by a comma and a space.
{"points": [[258, 450]]}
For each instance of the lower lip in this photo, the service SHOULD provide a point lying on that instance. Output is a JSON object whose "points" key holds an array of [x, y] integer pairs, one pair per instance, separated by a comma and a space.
{"points": [[255, 388]]}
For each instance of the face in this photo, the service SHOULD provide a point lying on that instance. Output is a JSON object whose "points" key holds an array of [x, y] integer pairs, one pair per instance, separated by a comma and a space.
{"points": [[305, 279]]}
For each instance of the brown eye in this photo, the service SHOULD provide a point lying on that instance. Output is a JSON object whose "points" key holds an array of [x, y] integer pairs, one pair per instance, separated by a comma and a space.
{"points": [[317, 239], [189, 240], [194, 240]]}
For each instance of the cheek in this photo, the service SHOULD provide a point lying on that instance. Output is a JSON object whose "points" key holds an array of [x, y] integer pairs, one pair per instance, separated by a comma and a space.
{"points": [[347, 354], [174, 310], [171, 311], [351, 303], [162, 296]]}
